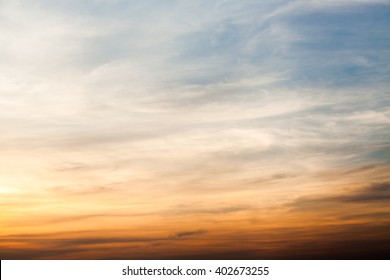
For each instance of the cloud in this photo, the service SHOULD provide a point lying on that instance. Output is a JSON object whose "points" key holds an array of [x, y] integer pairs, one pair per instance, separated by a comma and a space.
{"points": [[185, 234], [373, 215], [375, 193], [131, 108], [202, 209], [32, 254], [65, 239], [244, 83]]}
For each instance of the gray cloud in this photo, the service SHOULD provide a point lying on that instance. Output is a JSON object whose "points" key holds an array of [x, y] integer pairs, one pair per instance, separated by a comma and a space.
{"points": [[375, 193], [373, 215], [195, 209], [32, 254], [61, 240], [185, 234]]}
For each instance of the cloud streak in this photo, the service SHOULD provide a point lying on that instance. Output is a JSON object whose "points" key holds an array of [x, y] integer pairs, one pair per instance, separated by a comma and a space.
{"points": [[376, 193]]}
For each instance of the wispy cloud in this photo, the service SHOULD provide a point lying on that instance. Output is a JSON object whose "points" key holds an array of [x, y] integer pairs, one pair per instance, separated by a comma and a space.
{"points": [[184, 234], [376, 193], [229, 108]]}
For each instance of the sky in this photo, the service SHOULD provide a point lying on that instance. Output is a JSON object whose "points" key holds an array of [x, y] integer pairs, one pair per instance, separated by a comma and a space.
{"points": [[194, 129]]}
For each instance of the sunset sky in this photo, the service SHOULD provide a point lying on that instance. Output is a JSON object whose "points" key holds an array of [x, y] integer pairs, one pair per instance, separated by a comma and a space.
{"points": [[194, 129]]}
